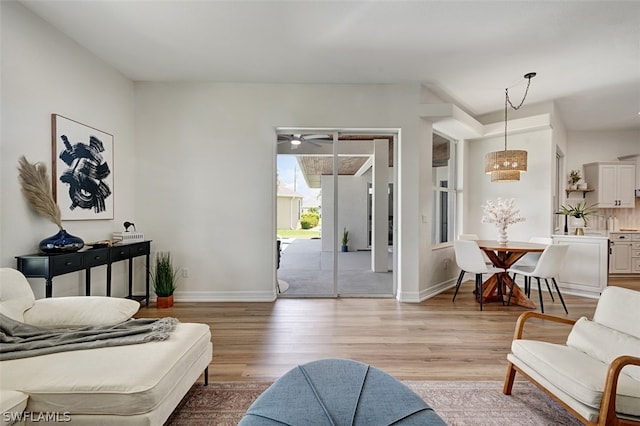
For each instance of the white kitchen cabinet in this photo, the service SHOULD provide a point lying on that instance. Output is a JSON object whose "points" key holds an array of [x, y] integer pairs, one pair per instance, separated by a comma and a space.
{"points": [[635, 254], [613, 184], [620, 262], [625, 253]]}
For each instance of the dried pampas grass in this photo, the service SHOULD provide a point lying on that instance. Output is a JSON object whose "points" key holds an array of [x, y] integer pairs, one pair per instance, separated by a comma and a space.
{"points": [[37, 190]]}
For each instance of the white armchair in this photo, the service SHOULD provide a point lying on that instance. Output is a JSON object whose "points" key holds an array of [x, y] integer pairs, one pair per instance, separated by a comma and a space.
{"points": [[596, 374]]}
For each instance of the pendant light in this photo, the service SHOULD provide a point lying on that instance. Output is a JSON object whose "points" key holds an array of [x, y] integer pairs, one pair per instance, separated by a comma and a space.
{"points": [[507, 165]]}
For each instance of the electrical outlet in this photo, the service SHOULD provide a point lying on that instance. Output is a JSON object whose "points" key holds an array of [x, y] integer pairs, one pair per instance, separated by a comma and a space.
{"points": [[446, 264], [185, 273]]}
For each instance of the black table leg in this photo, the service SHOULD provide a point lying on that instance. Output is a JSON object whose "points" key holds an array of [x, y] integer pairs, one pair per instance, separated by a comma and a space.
{"points": [[48, 288], [87, 282], [109, 279]]}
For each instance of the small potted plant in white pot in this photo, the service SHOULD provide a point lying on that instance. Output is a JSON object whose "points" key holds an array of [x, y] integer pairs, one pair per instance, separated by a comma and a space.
{"points": [[165, 279], [574, 178], [580, 212]]}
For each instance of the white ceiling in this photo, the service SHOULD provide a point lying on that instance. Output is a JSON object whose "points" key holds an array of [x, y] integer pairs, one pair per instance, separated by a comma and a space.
{"points": [[586, 53]]}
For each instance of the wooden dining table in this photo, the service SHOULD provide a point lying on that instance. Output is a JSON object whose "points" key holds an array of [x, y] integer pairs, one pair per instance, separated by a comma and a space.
{"points": [[503, 256]]}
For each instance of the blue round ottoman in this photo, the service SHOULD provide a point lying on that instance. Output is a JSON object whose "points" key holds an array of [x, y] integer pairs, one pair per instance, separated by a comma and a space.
{"points": [[339, 392]]}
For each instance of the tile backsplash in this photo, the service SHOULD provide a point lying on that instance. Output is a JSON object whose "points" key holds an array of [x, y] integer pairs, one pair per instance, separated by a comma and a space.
{"points": [[627, 218]]}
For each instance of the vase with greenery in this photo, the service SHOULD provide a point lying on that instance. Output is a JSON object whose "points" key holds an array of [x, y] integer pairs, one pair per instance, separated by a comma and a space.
{"points": [[580, 212], [164, 277], [36, 189], [345, 239], [574, 178]]}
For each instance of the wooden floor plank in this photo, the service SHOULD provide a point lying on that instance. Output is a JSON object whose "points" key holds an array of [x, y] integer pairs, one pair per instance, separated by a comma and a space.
{"points": [[434, 340]]}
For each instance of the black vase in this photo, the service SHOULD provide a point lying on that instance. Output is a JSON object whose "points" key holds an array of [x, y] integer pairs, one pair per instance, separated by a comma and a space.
{"points": [[62, 242]]}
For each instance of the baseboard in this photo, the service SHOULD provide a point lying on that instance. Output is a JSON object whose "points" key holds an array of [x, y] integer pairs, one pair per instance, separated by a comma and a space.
{"points": [[422, 295], [224, 296], [430, 292], [270, 296]]}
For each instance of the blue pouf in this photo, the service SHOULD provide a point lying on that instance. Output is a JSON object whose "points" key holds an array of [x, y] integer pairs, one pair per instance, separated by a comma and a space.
{"points": [[339, 392]]}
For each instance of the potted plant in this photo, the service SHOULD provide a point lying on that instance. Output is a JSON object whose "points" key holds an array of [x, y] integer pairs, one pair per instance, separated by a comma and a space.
{"points": [[165, 279], [574, 178], [580, 212], [345, 240]]}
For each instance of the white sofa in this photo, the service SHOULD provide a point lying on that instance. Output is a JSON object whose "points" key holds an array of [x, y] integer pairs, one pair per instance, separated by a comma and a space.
{"points": [[596, 374], [138, 384]]}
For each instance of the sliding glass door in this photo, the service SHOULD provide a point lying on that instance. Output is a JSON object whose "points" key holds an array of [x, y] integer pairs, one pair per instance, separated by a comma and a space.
{"points": [[345, 180]]}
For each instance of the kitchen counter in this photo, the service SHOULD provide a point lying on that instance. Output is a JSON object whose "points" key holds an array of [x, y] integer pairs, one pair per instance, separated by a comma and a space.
{"points": [[603, 235], [586, 267]]}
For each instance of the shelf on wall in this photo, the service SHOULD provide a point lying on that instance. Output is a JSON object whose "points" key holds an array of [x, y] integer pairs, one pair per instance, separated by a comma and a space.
{"points": [[584, 191]]}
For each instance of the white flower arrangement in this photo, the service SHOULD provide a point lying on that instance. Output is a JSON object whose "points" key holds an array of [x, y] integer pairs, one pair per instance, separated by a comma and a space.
{"points": [[503, 213]]}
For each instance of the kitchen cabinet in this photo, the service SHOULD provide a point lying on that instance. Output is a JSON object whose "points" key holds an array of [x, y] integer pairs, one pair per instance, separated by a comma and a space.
{"points": [[635, 254], [625, 253], [613, 184]]}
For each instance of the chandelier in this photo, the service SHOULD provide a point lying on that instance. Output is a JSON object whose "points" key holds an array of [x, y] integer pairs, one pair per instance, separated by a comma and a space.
{"points": [[507, 165]]}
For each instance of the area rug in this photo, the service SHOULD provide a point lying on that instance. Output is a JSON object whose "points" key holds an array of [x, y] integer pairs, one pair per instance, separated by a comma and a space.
{"points": [[458, 403]]}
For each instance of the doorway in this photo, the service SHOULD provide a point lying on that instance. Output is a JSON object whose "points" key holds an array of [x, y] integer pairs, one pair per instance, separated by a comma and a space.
{"points": [[343, 178]]}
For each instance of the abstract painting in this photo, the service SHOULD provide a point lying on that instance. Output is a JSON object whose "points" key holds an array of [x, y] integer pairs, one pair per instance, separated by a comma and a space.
{"points": [[82, 170]]}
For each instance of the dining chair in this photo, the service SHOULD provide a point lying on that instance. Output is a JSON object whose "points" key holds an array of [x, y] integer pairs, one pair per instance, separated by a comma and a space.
{"points": [[548, 267], [469, 259], [474, 237], [531, 259], [471, 237]]}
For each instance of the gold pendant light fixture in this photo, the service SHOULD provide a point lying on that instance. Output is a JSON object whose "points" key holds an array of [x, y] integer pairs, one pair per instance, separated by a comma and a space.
{"points": [[507, 165]]}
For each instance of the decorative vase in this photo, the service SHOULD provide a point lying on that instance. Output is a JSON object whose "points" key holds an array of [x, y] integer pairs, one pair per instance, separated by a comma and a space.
{"points": [[164, 302], [579, 225], [62, 242], [502, 233]]}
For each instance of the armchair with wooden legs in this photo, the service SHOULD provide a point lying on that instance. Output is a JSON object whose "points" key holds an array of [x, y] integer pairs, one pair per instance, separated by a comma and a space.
{"points": [[596, 374]]}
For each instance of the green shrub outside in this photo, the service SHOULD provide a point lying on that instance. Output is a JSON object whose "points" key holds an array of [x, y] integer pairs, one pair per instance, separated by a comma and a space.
{"points": [[309, 220]]}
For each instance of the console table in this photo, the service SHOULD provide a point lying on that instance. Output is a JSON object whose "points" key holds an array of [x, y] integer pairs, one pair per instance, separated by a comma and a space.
{"points": [[48, 266]]}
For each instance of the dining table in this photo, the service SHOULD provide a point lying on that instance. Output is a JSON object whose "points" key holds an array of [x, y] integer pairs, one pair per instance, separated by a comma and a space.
{"points": [[504, 255]]}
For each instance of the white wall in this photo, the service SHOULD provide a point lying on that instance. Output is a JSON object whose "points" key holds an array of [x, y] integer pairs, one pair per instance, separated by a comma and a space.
{"points": [[44, 72], [202, 143], [590, 147], [352, 210], [532, 193]]}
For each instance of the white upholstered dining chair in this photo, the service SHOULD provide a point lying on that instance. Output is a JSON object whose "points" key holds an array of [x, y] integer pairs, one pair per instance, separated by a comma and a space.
{"points": [[531, 260], [469, 259], [548, 267]]}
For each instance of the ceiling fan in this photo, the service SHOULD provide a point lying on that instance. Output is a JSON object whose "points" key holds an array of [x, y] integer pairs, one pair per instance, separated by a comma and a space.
{"points": [[297, 139]]}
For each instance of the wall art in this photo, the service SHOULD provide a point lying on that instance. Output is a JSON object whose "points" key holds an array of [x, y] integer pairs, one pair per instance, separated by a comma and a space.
{"points": [[82, 170]]}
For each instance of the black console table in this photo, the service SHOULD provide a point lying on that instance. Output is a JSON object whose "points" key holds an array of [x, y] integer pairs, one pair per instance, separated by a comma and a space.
{"points": [[48, 266]]}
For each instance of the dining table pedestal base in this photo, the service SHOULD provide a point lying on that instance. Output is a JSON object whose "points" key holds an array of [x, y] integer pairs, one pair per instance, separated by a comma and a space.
{"points": [[504, 256], [492, 293]]}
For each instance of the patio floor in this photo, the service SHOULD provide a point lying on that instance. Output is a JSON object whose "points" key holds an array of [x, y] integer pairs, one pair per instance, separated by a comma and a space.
{"points": [[309, 271]]}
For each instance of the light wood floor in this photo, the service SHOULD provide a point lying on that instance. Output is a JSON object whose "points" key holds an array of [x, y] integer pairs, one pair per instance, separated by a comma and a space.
{"points": [[433, 340]]}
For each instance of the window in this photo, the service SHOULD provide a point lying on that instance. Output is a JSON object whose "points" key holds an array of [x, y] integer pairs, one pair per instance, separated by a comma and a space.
{"points": [[443, 172]]}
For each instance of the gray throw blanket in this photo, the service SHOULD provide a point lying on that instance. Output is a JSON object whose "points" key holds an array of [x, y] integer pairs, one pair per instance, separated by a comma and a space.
{"points": [[20, 340]]}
